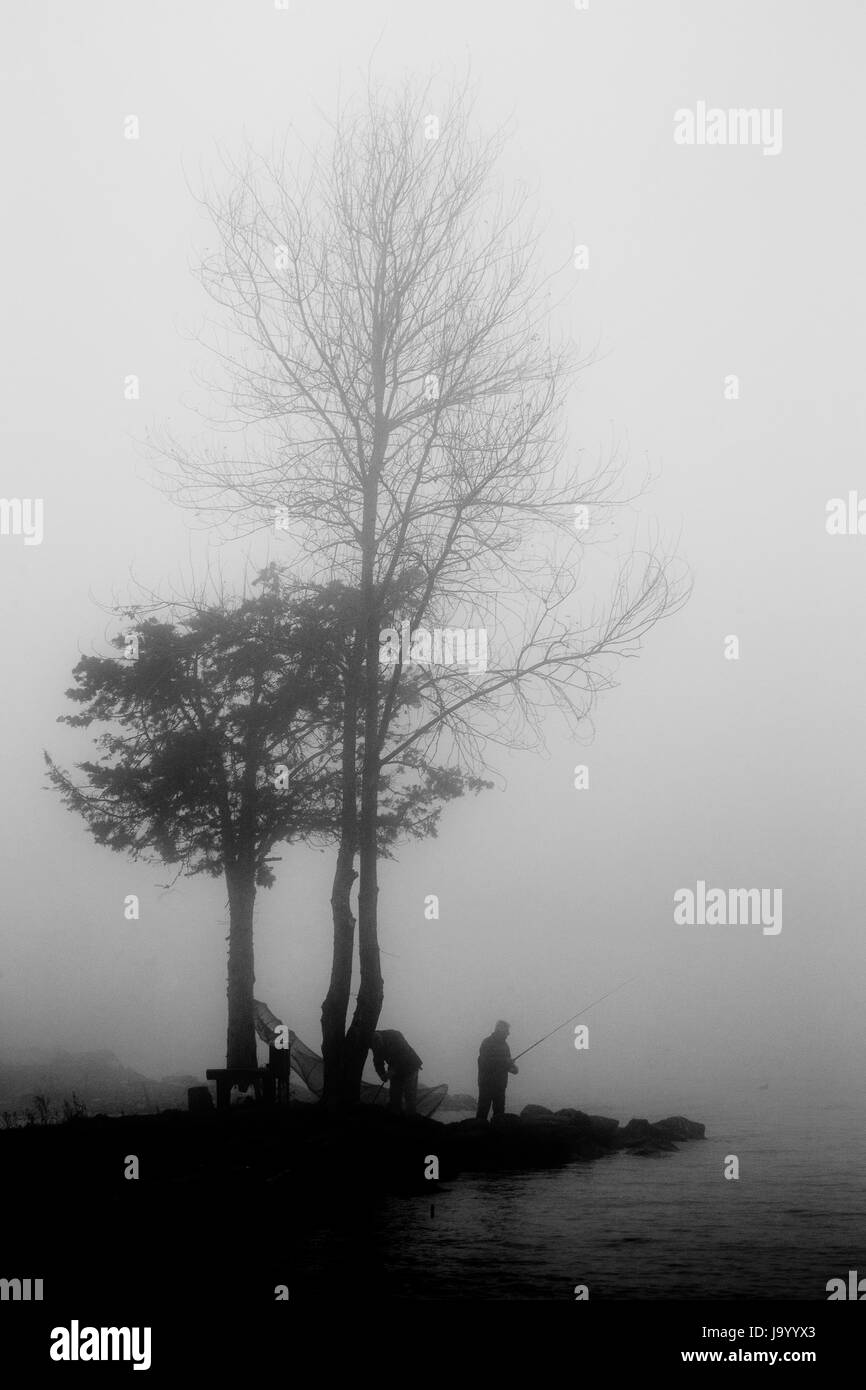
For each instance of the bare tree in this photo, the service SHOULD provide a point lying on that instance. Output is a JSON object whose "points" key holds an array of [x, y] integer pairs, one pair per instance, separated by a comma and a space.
{"points": [[400, 399]]}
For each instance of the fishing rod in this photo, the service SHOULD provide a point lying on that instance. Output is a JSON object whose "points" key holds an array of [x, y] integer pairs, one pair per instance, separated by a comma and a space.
{"points": [[574, 1016]]}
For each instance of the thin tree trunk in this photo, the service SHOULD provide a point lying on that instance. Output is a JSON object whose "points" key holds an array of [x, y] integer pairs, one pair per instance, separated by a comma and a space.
{"points": [[241, 1040], [371, 987], [336, 1003]]}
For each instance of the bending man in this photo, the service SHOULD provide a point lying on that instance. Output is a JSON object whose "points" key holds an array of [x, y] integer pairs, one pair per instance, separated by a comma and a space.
{"points": [[397, 1062]]}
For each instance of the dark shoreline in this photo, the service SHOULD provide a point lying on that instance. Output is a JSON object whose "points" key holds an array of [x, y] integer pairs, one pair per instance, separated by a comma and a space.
{"points": [[229, 1154]]}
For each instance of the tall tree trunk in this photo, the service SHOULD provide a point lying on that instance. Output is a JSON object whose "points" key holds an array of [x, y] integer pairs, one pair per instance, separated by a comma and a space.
{"points": [[335, 1006], [371, 987], [241, 1041], [336, 1003]]}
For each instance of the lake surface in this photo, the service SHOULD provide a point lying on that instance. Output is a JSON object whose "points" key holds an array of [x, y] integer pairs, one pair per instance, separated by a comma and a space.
{"points": [[668, 1227]]}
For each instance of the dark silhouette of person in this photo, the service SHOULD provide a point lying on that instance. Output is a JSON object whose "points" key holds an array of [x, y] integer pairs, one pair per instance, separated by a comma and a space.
{"points": [[494, 1065], [397, 1062]]}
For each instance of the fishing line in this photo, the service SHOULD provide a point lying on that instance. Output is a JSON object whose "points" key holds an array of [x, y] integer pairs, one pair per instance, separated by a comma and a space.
{"points": [[574, 1016]]}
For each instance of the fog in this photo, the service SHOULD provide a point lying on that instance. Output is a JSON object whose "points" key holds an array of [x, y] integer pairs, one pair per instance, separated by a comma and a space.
{"points": [[703, 262]]}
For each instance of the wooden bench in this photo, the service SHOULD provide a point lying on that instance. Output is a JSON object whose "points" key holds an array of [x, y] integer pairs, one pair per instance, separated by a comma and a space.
{"points": [[259, 1078]]}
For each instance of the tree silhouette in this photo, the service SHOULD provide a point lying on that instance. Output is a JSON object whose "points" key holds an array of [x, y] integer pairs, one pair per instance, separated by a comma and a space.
{"points": [[220, 745], [394, 375]]}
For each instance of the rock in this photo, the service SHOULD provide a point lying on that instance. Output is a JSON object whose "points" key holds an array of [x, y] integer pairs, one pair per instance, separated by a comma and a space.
{"points": [[636, 1130], [510, 1142], [533, 1112], [661, 1134], [506, 1121], [603, 1127], [678, 1127], [599, 1128]]}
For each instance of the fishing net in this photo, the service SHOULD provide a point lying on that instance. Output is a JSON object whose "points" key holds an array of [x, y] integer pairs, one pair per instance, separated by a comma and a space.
{"points": [[309, 1066]]}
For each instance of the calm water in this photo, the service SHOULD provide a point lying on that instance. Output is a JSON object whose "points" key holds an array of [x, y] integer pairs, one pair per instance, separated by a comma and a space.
{"points": [[669, 1227]]}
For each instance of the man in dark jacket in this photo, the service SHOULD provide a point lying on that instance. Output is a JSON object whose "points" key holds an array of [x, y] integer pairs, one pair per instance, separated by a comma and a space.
{"points": [[397, 1062], [494, 1065]]}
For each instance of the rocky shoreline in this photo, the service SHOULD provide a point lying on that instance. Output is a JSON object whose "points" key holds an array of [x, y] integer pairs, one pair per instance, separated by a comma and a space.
{"points": [[569, 1133]]}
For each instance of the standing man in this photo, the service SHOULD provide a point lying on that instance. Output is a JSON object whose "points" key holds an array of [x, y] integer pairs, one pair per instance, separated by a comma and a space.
{"points": [[397, 1062], [494, 1065]]}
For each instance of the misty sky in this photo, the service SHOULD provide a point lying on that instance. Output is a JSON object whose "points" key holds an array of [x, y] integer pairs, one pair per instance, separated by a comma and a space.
{"points": [[703, 262]]}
